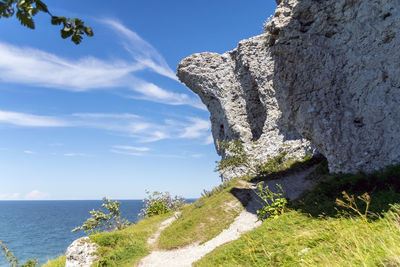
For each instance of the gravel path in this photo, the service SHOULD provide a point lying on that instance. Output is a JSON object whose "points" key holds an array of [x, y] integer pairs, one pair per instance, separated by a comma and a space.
{"points": [[163, 225], [246, 221], [293, 185]]}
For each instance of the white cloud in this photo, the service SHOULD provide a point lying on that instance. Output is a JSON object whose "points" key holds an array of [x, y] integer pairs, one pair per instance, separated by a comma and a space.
{"points": [[29, 152], [106, 115], [138, 154], [37, 195], [141, 51], [38, 68], [198, 128], [151, 92], [132, 148], [34, 67], [209, 140], [24, 119], [10, 196], [127, 124]]}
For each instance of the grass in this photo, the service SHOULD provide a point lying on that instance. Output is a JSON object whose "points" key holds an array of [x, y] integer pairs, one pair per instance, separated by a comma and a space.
{"points": [[59, 262], [295, 239], [281, 165], [126, 247], [317, 232], [202, 220]]}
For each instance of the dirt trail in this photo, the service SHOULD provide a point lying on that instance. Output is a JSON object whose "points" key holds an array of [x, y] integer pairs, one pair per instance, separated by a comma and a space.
{"points": [[293, 184]]}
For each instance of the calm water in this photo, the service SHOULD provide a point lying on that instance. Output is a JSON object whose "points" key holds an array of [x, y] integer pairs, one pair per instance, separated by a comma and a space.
{"points": [[42, 229]]}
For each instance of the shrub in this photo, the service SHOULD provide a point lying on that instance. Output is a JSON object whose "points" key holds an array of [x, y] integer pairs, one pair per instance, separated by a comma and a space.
{"points": [[274, 203], [109, 221], [217, 189], [13, 260], [236, 156], [160, 203]]}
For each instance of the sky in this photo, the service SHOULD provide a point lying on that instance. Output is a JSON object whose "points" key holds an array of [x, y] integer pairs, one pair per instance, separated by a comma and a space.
{"points": [[109, 117]]}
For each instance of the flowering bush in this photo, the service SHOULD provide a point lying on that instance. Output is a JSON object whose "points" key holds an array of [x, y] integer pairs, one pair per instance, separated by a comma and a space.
{"points": [[159, 203]]}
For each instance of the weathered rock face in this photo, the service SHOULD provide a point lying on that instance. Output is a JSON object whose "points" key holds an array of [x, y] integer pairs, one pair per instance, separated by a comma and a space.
{"points": [[82, 253], [327, 71]]}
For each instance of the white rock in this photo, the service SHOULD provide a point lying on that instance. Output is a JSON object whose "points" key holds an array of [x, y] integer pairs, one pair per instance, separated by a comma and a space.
{"points": [[326, 71], [81, 253]]}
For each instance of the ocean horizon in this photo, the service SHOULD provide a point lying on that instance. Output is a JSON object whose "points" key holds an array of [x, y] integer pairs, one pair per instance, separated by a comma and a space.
{"points": [[41, 229]]}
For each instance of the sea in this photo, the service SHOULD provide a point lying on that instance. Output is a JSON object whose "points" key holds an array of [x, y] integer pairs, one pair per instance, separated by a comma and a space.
{"points": [[42, 229]]}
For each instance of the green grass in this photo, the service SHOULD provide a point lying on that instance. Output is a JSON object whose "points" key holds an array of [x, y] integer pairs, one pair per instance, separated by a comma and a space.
{"points": [[125, 247], [295, 239], [202, 220], [281, 165], [59, 262], [317, 232]]}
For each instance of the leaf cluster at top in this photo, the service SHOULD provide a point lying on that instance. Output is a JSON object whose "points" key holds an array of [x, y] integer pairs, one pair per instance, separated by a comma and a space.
{"points": [[25, 10]]}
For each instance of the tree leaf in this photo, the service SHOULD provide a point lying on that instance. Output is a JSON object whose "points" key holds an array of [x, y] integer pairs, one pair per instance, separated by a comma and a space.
{"points": [[66, 32], [41, 6], [88, 31], [25, 19], [76, 38], [57, 20]]}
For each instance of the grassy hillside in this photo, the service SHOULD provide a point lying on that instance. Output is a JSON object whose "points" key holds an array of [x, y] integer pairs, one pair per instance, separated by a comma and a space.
{"points": [[316, 231], [203, 220]]}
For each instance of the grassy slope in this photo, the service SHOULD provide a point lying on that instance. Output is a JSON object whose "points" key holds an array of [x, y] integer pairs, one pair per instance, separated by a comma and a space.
{"points": [[202, 220], [122, 248], [59, 262], [313, 234], [125, 247]]}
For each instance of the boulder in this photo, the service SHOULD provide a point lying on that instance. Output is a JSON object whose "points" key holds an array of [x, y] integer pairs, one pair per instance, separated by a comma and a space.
{"points": [[81, 253], [325, 75]]}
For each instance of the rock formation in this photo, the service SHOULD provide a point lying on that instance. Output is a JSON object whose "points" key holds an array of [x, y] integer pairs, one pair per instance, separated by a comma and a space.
{"points": [[326, 71], [82, 253]]}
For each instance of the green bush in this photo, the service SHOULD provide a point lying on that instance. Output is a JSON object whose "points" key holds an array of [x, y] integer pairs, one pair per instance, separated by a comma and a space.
{"points": [[236, 156], [274, 203], [108, 218], [160, 203]]}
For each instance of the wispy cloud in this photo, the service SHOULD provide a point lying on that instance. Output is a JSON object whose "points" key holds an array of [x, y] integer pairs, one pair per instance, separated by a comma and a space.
{"points": [[30, 66], [197, 128], [132, 148], [24, 119], [131, 125], [29, 152], [209, 140], [151, 92], [141, 51]]}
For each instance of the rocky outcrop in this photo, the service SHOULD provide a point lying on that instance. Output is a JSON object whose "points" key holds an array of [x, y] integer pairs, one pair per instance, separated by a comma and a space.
{"points": [[82, 253], [326, 71]]}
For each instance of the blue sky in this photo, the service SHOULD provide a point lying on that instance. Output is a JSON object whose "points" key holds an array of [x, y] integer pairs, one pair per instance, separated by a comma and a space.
{"points": [[108, 117]]}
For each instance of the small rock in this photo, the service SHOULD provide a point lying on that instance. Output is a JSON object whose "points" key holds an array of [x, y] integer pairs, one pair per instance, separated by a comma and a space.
{"points": [[81, 253]]}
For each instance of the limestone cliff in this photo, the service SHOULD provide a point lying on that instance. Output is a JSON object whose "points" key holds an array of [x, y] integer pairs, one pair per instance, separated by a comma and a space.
{"points": [[324, 71]]}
